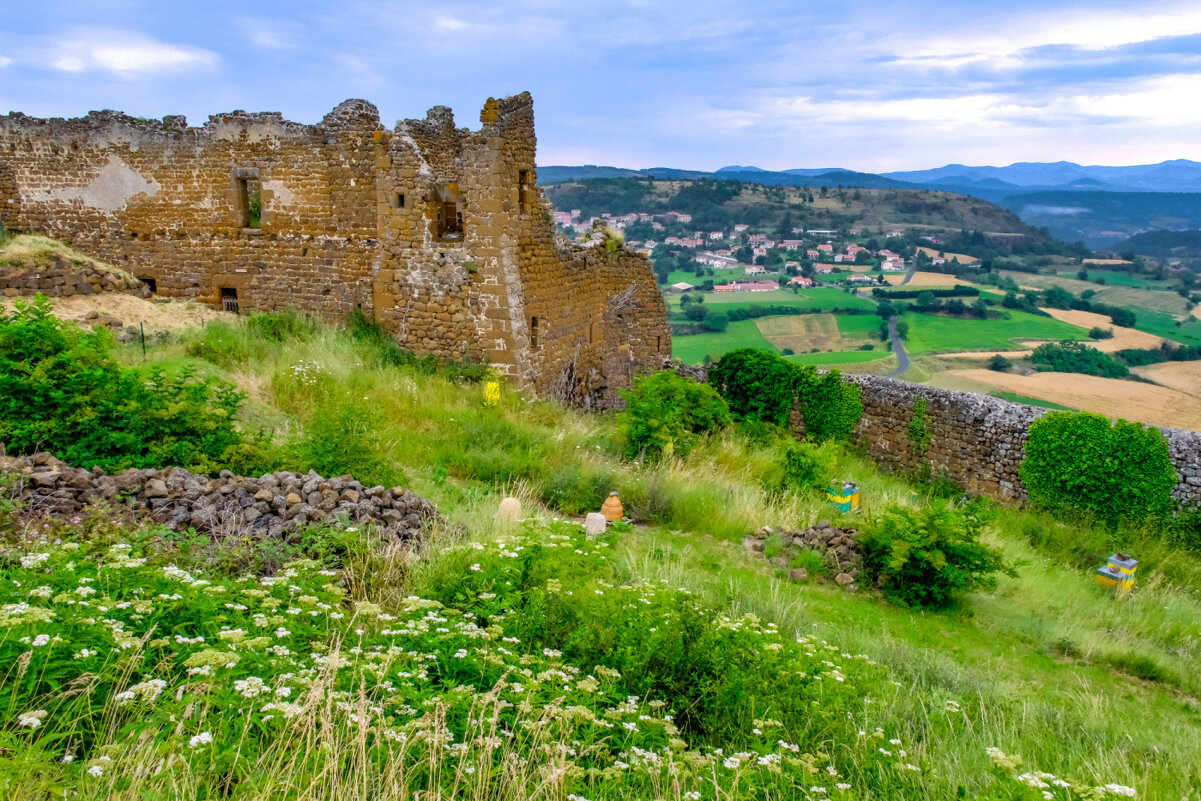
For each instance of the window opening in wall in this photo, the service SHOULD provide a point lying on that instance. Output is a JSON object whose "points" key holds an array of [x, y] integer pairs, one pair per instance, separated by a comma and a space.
{"points": [[250, 202], [591, 337], [400, 200], [523, 179], [448, 212], [658, 344], [533, 333], [151, 284], [229, 299]]}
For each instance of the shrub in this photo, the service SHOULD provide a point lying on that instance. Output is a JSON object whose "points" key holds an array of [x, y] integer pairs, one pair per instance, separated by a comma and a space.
{"points": [[344, 438], [999, 363], [666, 413], [756, 384], [61, 390], [802, 466], [831, 407], [1097, 332], [1076, 357], [1079, 461], [928, 557], [715, 321], [577, 488]]}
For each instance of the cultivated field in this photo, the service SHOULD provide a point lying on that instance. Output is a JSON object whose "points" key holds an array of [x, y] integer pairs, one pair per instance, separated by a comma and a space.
{"points": [[825, 332], [876, 361], [1181, 376], [1122, 337], [1129, 295], [959, 258], [929, 333], [741, 334], [1145, 403], [923, 279], [825, 298]]}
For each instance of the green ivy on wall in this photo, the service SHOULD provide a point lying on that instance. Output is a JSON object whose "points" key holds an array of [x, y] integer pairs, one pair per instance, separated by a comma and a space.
{"points": [[920, 432]]}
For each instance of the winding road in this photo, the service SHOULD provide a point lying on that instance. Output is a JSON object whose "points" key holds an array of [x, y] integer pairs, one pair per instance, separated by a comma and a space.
{"points": [[898, 348]]}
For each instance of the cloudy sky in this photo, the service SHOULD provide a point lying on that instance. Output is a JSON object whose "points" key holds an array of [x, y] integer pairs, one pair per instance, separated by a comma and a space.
{"points": [[637, 83]]}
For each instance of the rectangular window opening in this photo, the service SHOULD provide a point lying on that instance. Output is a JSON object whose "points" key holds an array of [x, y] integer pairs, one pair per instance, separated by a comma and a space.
{"points": [[658, 344], [533, 333], [229, 299], [448, 212], [591, 332], [250, 203], [400, 200], [523, 179], [151, 284]]}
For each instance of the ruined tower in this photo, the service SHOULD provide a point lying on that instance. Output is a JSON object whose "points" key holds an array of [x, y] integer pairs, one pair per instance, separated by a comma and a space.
{"points": [[438, 233]]}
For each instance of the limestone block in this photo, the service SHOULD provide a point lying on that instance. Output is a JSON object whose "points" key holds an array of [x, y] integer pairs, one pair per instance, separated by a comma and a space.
{"points": [[594, 524]]}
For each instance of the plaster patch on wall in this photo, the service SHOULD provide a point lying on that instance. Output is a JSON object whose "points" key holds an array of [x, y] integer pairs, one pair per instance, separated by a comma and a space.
{"points": [[111, 190], [281, 194]]}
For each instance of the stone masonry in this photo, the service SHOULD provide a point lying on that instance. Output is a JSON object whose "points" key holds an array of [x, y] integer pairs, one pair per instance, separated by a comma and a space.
{"points": [[979, 440], [273, 505], [438, 233]]}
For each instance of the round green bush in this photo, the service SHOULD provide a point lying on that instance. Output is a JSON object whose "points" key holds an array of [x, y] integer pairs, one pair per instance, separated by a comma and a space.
{"points": [[1115, 470], [756, 384]]}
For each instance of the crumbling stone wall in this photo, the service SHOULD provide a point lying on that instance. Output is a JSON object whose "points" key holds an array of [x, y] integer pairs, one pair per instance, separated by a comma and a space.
{"points": [[57, 276], [272, 505], [979, 440], [439, 233]]}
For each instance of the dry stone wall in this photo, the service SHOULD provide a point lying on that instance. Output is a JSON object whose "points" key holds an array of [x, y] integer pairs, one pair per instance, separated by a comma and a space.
{"points": [[978, 440], [272, 505], [57, 276], [439, 233]]}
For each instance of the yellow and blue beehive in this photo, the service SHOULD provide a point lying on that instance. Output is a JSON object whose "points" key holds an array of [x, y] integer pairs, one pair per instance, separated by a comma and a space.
{"points": [[844, 496], [1118, 572]]}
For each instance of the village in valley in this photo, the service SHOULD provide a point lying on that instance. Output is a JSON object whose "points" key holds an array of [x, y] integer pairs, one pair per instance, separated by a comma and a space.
{"points": [[737, 260]]}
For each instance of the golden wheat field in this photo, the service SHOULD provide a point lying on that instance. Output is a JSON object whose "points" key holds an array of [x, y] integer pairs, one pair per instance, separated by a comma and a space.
{"points": [[1182, 376], [924, 279], [960, 258], [1113, 397]]}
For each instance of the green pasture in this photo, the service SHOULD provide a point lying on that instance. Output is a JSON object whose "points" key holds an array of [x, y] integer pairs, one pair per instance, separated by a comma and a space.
{"points": [[930, 333]]}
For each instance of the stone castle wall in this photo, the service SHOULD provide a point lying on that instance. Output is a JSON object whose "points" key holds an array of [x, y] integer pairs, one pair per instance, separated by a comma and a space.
{"points": [[438, 233], [979, 440]]}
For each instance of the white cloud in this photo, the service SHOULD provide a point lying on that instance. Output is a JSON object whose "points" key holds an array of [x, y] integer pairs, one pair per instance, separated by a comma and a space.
{"points": [[121, 52], [1002, 41], [5, 61], [445, 23]]}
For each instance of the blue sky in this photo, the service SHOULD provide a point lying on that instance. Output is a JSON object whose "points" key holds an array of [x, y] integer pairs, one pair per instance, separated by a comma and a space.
{"points": [[865, 85]]}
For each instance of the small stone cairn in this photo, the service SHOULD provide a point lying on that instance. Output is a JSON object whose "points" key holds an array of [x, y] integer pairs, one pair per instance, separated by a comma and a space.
{"points": [[837, 547], [271, 506]]}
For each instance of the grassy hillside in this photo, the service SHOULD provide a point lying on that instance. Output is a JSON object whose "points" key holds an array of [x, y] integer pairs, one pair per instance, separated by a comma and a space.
{"points": [[526, 662], [722, 203]]}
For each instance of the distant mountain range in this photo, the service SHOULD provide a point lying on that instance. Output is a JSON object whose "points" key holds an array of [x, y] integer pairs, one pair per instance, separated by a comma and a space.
{"points": [[1074, 201]]}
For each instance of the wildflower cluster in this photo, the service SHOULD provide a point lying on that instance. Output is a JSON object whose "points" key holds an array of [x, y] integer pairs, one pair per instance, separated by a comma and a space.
{"points": [[524, 664]]}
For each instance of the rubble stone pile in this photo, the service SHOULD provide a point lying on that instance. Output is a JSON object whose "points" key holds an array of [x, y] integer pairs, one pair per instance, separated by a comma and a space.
{"points": [[271, 505]]}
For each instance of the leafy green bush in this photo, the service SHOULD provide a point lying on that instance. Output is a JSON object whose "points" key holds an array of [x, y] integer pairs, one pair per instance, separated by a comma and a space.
{"points": [[999, 363], [1083, 462], [345, 438], [802, 466], [756, 384], [1076, 357], [928, 557], [1097, 332], [716, 321], [61, 390], [668, 414], [831, 407]]}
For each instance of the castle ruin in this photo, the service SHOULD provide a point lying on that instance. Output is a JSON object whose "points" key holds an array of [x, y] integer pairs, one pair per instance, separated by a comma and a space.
{"points": [[439, 234]]}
